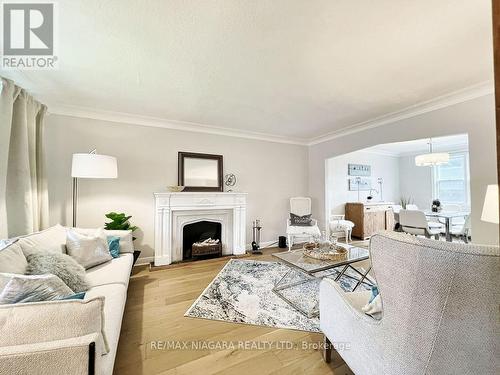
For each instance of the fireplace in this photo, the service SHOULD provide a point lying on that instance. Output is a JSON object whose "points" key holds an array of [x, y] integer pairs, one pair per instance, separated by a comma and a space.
{"points": [[175, 211], [195, 233]]}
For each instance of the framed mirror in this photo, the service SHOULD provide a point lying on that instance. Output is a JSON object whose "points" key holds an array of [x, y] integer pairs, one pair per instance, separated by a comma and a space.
{"points": [[200, 172]]}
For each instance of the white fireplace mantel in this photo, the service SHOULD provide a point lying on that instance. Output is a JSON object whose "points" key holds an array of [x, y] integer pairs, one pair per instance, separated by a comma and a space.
{"points": [[175, 210]]}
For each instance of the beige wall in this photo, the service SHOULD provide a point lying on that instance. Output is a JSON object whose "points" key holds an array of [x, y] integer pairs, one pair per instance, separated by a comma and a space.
{"points": [[475, 117], [147, 162]]}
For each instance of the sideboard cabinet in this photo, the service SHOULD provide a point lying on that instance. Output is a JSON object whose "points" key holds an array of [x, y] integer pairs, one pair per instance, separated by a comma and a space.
{"points": [[369, 218]]}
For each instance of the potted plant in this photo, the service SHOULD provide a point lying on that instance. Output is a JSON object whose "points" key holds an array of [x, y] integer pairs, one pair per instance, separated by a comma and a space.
{"points": [[119, 221]]}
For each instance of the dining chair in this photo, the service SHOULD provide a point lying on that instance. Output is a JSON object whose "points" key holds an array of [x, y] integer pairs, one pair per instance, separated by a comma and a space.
{"points": [[415, 222], [412, 207], [462, 231], [453, 208]]}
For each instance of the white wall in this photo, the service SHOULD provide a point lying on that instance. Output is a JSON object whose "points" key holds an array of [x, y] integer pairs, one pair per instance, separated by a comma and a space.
{"points": [[147, 162], [415, 182], [475, 117], [383, 166]]}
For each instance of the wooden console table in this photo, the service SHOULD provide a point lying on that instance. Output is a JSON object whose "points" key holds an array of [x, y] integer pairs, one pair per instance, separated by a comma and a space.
{"points": [[369, 218]]}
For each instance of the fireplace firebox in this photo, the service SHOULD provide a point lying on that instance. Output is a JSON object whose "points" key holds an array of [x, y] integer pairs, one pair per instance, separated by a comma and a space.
{"points": [[195, 236]]}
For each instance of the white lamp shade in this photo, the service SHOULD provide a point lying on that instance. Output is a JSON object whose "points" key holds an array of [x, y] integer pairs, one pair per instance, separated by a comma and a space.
{"points": [[435, 158], [94, 166], [490, 207]]}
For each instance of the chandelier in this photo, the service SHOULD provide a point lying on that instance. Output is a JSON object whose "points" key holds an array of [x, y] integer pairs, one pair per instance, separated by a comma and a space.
{"points": [[432, 158]]}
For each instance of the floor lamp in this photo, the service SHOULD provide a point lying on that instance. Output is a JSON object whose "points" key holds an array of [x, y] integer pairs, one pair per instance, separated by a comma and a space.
{"points": [[91, 165]]}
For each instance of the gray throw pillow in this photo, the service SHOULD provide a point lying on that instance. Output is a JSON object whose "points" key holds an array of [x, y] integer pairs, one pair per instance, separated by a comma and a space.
{"points": [[16, 288], [61, 265], [300, 221], [88, 250]]}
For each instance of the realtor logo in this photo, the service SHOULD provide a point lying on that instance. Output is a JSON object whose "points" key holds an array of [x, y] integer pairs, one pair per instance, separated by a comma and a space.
{"points": [[28, 36]]}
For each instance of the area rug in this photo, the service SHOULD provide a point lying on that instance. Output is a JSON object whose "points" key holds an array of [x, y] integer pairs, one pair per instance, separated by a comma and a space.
{"points": [[242, 293]]}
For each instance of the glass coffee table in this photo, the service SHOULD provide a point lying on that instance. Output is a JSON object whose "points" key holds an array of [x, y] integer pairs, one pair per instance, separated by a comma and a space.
{"points": [[304, 275]]}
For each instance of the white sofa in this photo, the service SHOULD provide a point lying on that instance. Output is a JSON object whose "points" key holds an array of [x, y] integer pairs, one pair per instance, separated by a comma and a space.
{"points": [[70, 336], [440, 309]]}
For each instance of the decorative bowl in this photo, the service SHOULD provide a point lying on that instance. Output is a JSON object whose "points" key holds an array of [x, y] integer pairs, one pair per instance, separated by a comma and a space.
{"points": [[175, 188], [331, 252]]}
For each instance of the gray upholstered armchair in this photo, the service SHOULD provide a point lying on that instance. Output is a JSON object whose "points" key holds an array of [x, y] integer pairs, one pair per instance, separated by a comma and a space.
{"points": [[440, 310]]}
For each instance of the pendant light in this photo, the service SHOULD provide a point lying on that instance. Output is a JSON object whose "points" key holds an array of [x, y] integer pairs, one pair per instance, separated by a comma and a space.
{"points": [[432, 158]]}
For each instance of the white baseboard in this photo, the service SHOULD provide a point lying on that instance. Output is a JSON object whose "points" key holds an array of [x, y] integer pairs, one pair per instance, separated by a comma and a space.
{"points": [[144, 261], [262, 244]]}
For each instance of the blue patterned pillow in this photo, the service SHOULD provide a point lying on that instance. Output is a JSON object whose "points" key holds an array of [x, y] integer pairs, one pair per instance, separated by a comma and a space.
{"points": [[114, 246]]}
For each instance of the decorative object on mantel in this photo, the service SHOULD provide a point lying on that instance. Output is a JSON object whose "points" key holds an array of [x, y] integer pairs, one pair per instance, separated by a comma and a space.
{"points": [[230, 181], [175, 188], [119, 222], [256, 237], [432, 158], [436, 205], [91, 165], [200, 172], [359, 170]]}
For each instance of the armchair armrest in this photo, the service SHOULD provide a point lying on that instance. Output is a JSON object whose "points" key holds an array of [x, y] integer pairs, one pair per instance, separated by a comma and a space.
{"points": [[75, 355]]}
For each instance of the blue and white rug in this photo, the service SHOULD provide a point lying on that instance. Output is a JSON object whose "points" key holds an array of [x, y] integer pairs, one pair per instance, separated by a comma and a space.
{"points": [[242, 293]]}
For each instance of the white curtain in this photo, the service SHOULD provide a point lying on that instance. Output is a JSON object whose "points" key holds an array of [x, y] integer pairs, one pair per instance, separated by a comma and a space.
{"points": [[23, 187]]}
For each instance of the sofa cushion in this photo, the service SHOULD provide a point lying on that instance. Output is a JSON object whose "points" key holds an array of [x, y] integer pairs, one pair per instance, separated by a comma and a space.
{"points": [[117, 271], [52, 239], [115, 296], [12, 259], [126, 242], [34, 322]]}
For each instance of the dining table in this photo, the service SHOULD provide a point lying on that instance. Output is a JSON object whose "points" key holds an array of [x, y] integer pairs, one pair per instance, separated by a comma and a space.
{"points": [[447, 216]]}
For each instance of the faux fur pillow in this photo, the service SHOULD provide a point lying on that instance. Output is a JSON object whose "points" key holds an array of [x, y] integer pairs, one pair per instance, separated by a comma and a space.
{"points": [[61, 265]]}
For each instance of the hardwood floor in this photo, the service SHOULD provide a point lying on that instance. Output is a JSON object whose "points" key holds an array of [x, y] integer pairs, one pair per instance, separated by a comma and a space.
{"points": [[154, 312]]}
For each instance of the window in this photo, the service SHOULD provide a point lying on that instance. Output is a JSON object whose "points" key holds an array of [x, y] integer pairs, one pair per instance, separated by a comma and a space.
{"points": [[451, 181]]}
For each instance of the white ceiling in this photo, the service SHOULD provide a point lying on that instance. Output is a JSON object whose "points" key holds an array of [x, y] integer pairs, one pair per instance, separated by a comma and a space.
{"points": [[293, 69], [449, 143]]}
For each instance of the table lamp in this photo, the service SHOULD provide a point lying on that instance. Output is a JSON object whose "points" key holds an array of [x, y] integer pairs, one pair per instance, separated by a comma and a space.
{"points": [[91, 165], [490, 207]]}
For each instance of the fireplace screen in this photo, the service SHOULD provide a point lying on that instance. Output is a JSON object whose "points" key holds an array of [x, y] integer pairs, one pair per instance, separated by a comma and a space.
{"points": [[201, 239]]}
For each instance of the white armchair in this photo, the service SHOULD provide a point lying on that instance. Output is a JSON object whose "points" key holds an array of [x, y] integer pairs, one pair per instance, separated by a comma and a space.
{"points": [[341, 227], [440, 310], [301, 206]]}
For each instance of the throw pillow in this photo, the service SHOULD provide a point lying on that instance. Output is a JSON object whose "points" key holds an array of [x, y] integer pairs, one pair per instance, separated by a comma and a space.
{"points": [[12, 259], [61, 265], [89, 251], [114, 246], [374, 308], [31, 288], [52, 239], [126, 238], [301, 221]]}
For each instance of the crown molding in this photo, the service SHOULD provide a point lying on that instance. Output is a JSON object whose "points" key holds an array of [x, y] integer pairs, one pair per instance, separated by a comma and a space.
{"points": [[450, 99], [156, 122], [456, 97]]}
